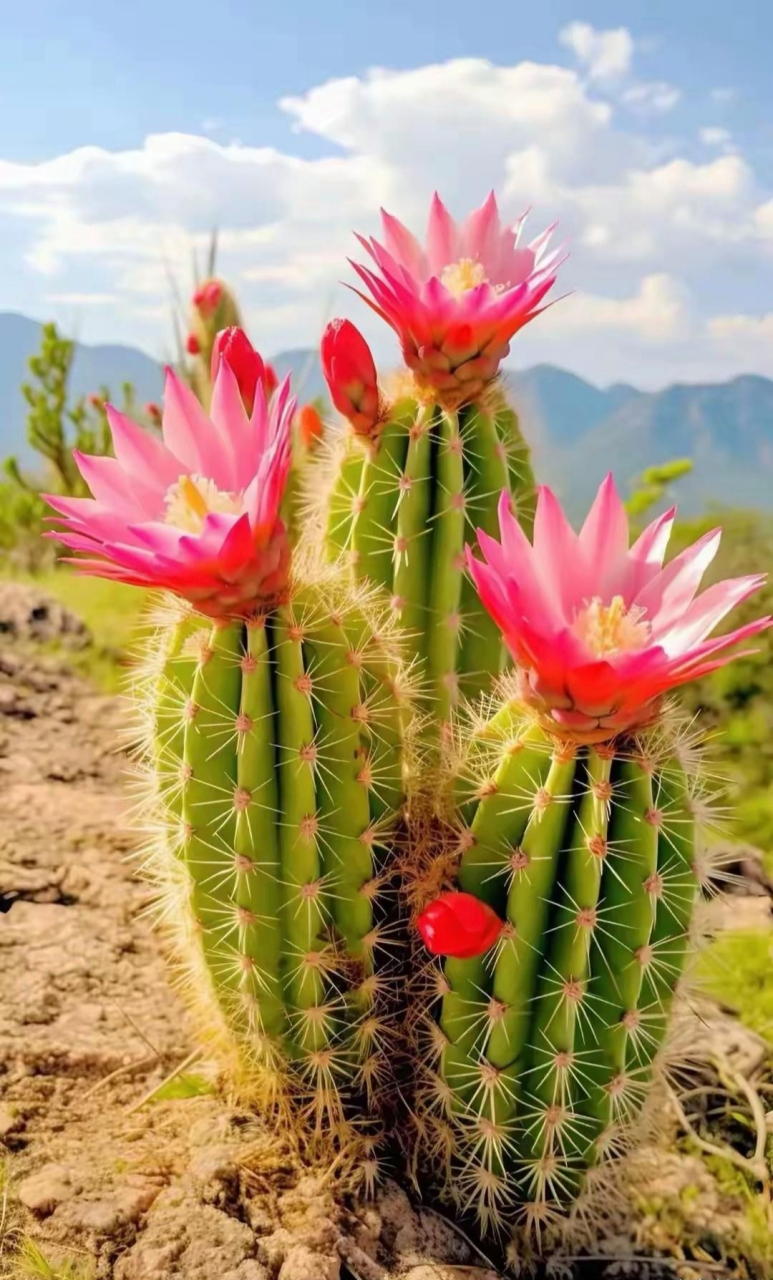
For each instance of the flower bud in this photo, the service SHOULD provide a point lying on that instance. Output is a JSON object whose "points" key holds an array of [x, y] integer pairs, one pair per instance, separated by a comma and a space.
{"points": [[234, 347], [350, 374]]}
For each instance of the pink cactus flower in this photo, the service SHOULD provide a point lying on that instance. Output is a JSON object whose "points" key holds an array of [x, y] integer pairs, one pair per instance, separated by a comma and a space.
{"points": [[196, 513], [600, 631], [456, 304]]}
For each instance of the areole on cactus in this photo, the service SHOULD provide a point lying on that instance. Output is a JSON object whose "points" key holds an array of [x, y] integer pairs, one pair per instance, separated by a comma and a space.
{"points": [[274, 700], [576, 819], [424, 466]]}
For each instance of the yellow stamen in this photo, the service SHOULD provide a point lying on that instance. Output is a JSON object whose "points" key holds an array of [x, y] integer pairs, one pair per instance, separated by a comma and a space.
{"points": [[192, 498], [460, 276], [611, 628]]}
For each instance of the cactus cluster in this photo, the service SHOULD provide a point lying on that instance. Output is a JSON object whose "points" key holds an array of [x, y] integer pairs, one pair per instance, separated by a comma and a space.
{"points": [[543, 840]]}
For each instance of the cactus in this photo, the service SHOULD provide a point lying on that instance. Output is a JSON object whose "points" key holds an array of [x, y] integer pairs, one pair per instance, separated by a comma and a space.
{"points": [[213, 309], [543, 1049], [404, 502], [423, 470], [274, 748], [569, 812], [274, 703]]}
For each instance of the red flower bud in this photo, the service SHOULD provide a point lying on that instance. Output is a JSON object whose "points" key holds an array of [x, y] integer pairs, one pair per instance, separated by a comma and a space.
{"points": [[95, 401], [310, 427], [350, 374], [234, 347], [460, 925], [206, 299], [192, 345], [153, 411]]}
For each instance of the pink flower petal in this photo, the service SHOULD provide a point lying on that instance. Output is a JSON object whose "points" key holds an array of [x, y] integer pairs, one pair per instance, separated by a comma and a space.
{"points": [[603, 539]]}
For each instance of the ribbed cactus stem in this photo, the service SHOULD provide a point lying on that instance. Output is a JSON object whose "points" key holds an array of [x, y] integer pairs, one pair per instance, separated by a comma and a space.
{"points": [[276, 750], [403, 503], [547, 1045], [444, 587]]}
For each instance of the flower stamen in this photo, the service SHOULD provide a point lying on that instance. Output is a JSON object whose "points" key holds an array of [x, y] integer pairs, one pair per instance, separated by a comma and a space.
{"points": [[606, 629], [459, 277], [192, 498]]}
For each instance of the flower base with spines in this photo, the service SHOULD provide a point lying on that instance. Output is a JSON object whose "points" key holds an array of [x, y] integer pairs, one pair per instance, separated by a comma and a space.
{"points": [[546, 1047], [402, 505], [273, 752]]}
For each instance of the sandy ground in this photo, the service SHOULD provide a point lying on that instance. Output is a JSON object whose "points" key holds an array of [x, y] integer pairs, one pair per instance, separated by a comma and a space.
{"points": [[89, 1028]]}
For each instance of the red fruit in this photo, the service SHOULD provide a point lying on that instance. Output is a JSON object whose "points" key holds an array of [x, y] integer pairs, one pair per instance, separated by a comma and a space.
{"points": [[350, 374], [459, 925], [192, 345], [310, 426]]}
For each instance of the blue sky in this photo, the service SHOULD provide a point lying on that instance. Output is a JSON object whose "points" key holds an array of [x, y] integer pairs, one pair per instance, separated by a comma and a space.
{"points": [[647, 127]]}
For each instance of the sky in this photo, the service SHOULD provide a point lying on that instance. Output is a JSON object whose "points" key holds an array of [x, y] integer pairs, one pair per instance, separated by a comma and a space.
{"points": [[127, 132]]}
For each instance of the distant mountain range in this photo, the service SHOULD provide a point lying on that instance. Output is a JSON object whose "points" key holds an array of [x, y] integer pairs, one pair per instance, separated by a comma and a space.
{"points": [[578, 431]]}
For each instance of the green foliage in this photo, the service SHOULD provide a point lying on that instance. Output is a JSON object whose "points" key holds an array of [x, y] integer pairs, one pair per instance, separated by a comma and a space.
{"points": [[55, 427], [736, 970], [33, 1263], [653, 485], [736, 702]]}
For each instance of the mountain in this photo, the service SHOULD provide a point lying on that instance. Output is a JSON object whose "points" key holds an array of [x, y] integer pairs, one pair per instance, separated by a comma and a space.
{"points": [[578, 431]]}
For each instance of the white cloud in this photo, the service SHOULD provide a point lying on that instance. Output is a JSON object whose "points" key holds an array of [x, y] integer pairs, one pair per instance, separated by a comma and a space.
{"points": [[744, 342], [659, 311], [723, 97], [606, 55], [660, 242], [714, 136], [652, 96]]}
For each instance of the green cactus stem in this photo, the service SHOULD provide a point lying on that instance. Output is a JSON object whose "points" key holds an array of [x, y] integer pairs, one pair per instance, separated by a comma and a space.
{"points": [[546, 1048], [404, 503], [274, 755]]}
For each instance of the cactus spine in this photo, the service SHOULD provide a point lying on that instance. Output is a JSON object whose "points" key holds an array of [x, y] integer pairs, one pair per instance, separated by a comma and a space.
{"points": [[544, 1048], [404, 501], [275, 746]]}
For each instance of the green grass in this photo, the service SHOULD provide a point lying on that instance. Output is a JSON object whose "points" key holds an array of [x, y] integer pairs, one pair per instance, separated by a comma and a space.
{"points": [[737, 970], [111, 611]]}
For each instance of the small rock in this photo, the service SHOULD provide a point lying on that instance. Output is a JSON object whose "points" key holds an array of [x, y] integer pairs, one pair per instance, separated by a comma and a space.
{"points": [[105, 1216], [26, 613], [47, 1188], [302, 1264], [9, 1120]]}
